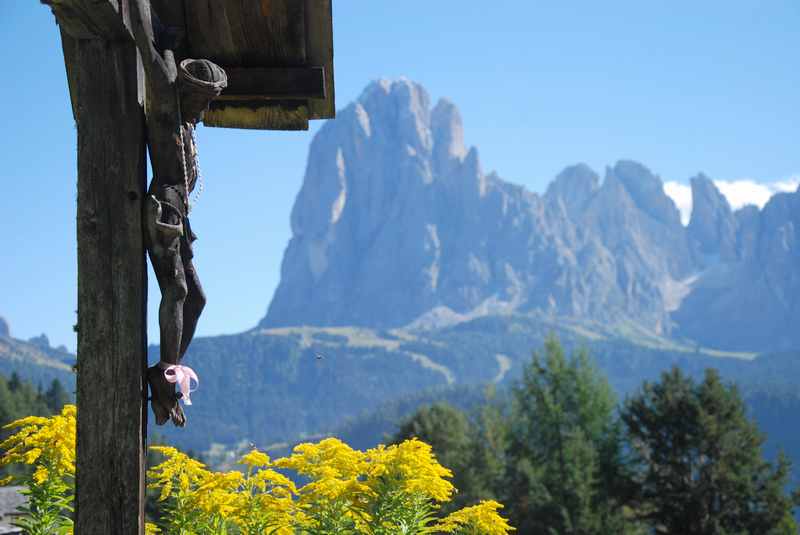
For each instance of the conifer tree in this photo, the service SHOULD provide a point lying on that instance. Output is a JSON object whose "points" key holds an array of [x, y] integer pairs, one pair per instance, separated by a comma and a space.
{"points": [[699, 464], [450, 434], [56, 396], [563, 456]]}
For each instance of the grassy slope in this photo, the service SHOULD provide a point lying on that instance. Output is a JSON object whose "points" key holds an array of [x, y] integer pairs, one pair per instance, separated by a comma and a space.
{"points": [[35, 364]]}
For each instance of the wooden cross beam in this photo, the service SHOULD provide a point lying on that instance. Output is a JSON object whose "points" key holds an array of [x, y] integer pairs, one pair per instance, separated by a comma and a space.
{"points": [[278, 55], [106, 91]]}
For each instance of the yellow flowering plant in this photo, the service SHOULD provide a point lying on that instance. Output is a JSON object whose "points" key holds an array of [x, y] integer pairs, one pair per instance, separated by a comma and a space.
{"points": [[333, 500], [387, 490], [48, 446], [481, 519], [265, 503], [407, 483]]}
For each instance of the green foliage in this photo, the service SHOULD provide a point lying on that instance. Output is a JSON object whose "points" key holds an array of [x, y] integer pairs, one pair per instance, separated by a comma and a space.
{"points": [[458, 446], [381, 423], [305, 395], [699, 467], [552, 453], [56, 396], [564, 448], [18, 399], [683, 458], [44, 512]]}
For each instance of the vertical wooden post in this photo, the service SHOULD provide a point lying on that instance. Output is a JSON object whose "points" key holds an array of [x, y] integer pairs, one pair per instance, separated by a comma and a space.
{"points": [[112, 286]]}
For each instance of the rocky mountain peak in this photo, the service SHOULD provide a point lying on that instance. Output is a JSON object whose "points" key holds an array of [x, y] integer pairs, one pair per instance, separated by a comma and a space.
{"points": [[5, 330], [396, 222], [448, 136], [712, 227], [574, 186], [397, 225], [41, 341], [403, 104], [646, 189], [390, 178]]}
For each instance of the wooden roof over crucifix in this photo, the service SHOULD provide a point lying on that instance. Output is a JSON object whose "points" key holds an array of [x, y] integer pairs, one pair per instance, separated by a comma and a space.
{"points": [[278, 54]]}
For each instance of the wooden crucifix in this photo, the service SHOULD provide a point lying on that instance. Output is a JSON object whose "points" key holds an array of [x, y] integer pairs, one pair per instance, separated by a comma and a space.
{"points": [[142, 74]]}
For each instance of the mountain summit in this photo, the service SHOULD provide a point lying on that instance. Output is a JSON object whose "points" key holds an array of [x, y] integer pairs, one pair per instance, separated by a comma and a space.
{"points": [[397, 225]]}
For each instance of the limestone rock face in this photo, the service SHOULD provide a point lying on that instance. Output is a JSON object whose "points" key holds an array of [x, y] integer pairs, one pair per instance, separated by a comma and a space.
{"points": [[41, 341], [712, 228], [573, 187], [397, 224], [639, 226], [395, 218], [5, 330], [752, 302]]}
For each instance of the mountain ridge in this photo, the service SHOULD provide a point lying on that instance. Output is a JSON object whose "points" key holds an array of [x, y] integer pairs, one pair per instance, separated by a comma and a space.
{"points": [[397, 225]]}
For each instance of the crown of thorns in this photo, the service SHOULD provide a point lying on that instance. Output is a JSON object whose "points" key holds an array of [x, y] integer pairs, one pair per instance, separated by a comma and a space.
{"points": [[201, 76]]}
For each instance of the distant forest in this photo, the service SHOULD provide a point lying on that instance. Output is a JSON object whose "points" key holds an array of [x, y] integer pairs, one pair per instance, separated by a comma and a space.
{"points": [[679, 455]]}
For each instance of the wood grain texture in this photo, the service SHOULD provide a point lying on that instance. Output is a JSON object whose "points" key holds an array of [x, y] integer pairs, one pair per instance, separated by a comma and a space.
{"points": [[208, 32], [88, 19], [70, 20], [112, 289], [69, 48], [247, 33]]}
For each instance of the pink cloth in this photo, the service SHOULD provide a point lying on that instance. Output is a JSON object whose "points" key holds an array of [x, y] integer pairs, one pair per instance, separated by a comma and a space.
{"points": [[183, 376]]}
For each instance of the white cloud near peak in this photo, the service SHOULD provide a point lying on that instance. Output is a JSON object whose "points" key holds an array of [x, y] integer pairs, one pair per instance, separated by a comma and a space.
{"points": [[739, 193], [682, 196]]}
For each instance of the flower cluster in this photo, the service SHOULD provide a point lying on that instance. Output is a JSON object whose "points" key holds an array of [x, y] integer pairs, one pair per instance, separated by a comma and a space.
{"points": [[481, 519], [48, 446], [382, 491], [385, 490], [46, 443]]}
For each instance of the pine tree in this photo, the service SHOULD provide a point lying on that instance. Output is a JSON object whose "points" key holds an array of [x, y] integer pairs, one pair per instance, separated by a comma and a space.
{"points": [[564, 449], [700, 468], [451, 436], [56, 396]]}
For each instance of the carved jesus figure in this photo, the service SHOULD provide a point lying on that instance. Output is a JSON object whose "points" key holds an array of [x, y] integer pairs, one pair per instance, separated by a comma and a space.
{"points": [[169, 236]]}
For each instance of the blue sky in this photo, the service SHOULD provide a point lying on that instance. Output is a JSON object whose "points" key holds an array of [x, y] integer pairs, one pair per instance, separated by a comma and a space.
{"points": [[682, 86]]}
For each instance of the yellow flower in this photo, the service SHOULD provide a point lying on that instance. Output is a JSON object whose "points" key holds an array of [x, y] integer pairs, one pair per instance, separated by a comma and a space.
{"points": [[41, 475], [216, 495], [481, 519], [44, 442], [255, 459], [348, 489], [178, 469], [277, 483], [412, 467], [264, 503], [328, 458]]}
